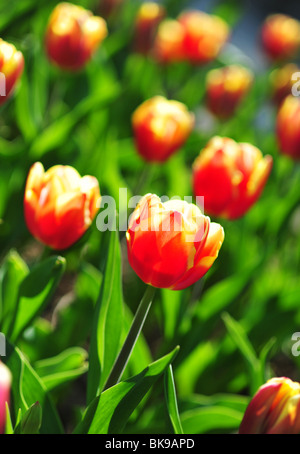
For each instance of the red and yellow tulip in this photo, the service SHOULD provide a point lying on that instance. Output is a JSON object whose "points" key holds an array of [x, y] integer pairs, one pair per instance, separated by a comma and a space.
{"points": [[11, 68], [230, 176], [73, 35], [148, 18], [281, 36], [168, 43], [288, 127], [226, 88], [172, 244], [59, 205], [282, 82], [5, 383], [161, 127], [204, 36], [275, 409]]}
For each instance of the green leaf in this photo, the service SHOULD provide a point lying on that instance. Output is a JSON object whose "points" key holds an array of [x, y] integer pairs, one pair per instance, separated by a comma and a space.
{"points": [[242, 342], [12, 273], [108, 319], [27, 388], [205, 419], [35, 292], [109, 412], [59, 131], [171, 400], [9, 430], [62, 368], [32, 419]]}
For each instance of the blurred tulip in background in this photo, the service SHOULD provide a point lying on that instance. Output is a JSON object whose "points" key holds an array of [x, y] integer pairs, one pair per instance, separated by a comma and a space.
{"points": [[73, 35], [230, 176], [226, 88]]}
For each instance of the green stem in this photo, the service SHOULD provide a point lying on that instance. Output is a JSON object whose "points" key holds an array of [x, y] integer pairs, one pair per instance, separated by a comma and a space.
{"points": [[136, 327]]}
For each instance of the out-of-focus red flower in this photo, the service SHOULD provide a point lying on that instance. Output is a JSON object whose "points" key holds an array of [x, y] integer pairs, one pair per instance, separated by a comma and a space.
{"points": [[230, 176], [168, 43], [204, 36], [282, 82], [73, 35], [5, 383], [11, 67], [107, 8], [275, 409], [288, 127], [148, 18], [59, 205], [161, 127], [172, 244], [281, 36], [226, 88]]}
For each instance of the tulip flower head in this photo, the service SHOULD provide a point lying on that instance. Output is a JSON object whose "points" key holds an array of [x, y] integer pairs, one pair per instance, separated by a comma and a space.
{"points": [[204, 36], [230, 176], [148, 18], [161, 127], [168, 43], [5, 383], [275, 409], [281, 36], [172, 244], [288, 127], [59, 205], [282, 81], [73, 35], [11, 68], [226, 88]]}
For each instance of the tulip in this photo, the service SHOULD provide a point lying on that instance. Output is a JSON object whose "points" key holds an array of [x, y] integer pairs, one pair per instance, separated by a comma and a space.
{"points": [[288, 127], [148, 18], [230, 176], [226, 88], [161, 127], [172, 244], [11, 68], [281, 36], [275, 409], [204, 36], [73, 35], [168, 43], [5, 383], [59, 205], [282, 82]]}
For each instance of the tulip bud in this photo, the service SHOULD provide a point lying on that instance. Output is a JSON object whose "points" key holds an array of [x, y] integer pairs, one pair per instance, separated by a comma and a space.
{"points": [[204, 36], [11, 68], [282, 82], [281, 36], [168, 43], [5, 383], [148, 18], [161, 127], [230, 176], [172, 244], [288, 127], [275, 409], [226, 88], [73, 35], [59, 205]]}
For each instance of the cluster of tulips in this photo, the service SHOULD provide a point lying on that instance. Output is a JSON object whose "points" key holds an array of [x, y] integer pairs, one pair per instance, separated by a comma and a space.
{"points": [[60, 205]]}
